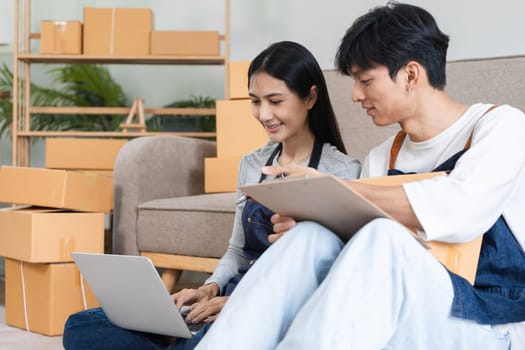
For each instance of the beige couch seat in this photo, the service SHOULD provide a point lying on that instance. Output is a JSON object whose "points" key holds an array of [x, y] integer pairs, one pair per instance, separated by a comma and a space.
{"points": [[206, 218]]}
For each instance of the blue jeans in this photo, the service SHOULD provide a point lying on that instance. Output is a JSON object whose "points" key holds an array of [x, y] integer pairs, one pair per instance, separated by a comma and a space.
{"points": [[91, 329], [381, 291]]}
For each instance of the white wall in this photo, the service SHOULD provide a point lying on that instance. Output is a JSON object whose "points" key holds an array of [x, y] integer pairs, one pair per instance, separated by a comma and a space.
{"points": [[477, 29]]}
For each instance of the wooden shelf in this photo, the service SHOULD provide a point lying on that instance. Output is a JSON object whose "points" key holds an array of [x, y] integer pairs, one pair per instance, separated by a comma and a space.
{"points": [[23, 111], [120, 110], [112, 134], [153, 60]]}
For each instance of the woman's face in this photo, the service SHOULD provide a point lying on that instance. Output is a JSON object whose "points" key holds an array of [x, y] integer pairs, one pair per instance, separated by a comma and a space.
{"points": [[280, 111]]}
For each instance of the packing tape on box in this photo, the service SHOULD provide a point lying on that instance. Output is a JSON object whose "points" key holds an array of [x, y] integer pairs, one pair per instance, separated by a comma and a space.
{"points": [[24, 300], [24, 295]]}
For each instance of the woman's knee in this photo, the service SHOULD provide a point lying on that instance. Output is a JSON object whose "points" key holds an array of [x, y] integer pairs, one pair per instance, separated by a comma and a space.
{"points": [[82, 326]]}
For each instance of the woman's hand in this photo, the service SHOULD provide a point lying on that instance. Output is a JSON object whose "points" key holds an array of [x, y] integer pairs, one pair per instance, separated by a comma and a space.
{"points": [[190, 296], [281, 225], [290, 170], [206, 310]]}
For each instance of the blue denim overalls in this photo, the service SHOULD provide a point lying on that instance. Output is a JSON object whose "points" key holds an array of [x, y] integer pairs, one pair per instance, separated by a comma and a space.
{"points": [[256, 221], [498, 294]]}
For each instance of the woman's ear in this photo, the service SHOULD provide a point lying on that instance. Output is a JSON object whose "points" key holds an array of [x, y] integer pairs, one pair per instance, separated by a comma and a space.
{"points": [[311, 99]]}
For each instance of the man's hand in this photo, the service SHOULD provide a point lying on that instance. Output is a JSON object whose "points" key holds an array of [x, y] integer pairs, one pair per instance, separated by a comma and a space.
{"points": [[206, 310], [281, 225]]}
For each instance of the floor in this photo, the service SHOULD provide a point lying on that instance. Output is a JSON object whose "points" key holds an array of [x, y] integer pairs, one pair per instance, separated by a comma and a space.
{"points": [[12, 338]]}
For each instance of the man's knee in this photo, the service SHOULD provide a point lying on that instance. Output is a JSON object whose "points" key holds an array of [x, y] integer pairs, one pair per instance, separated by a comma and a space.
{"points": [[312, 234]]}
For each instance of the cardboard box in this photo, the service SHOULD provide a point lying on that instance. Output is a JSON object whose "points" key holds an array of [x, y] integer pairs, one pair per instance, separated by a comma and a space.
{"points": [[221, 174], [460, 258], [238, 79], [185, 43], [41, 235], [61, 37], [117, 31], [52, 292], [85, 154], [60, 189], [238, 132]]}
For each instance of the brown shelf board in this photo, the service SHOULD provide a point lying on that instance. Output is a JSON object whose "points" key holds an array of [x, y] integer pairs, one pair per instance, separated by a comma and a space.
{"points": [[178, 60], [114, 134], [120, 110]]}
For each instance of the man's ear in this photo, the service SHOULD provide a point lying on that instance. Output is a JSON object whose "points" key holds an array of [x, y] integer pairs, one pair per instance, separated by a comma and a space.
{"points": [[413, 73], [311, 99]]}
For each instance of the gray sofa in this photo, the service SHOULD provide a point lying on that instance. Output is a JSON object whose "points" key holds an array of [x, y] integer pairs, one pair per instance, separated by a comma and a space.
{"points": [[161, 211]]}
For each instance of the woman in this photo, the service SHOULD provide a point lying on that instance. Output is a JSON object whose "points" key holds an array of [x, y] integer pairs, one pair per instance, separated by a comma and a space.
{"points": [[290, 99]]}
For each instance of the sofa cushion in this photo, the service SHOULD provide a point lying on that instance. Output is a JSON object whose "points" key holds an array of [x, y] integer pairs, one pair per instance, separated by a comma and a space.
{"points": [[206, 220]]}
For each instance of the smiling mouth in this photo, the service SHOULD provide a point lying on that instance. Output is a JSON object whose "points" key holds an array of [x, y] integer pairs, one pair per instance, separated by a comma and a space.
{"points": [[368, 109], [273, 127]]}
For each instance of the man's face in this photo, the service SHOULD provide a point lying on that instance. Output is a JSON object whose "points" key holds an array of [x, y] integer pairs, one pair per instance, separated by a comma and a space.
{"points": [[385, 100]]}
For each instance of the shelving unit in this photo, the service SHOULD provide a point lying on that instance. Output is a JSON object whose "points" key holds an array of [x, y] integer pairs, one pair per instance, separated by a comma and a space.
{"points": [[24, 58]]}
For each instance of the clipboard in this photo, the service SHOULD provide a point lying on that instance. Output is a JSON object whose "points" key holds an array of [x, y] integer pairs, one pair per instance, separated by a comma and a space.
{"points": [[328, 201], [325, 199]]}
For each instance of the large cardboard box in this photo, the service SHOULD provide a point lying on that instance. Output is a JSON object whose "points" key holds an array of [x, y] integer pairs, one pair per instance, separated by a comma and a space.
{"points": [[221, 174], [117, 31], [56, 189], [61, 37], [238, 79], [42, 235], [185, 43], [84, 154], [238, 132], [40, 297]]}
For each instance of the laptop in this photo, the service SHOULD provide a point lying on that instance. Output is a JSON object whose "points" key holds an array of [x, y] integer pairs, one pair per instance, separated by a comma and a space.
{"points": [[132, 294]]}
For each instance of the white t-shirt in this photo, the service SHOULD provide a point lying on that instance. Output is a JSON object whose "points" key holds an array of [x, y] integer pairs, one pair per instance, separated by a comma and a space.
{"points": [[487, 181]]}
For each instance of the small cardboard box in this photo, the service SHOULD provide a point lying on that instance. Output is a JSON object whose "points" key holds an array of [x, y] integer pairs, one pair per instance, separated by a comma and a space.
{"points": [[60, 189], [221, 174], [61, 37], [117, 31], [41, 235], [238, 79], [40, 297], [238, 132], [185, 43], [85, 154]]}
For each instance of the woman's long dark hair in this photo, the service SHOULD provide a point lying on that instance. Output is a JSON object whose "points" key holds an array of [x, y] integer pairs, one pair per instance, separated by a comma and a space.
{"points": [[298, 69]]}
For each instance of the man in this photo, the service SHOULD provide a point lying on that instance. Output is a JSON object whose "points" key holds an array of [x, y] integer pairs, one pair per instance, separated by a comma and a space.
{"points": [[383, 290]]}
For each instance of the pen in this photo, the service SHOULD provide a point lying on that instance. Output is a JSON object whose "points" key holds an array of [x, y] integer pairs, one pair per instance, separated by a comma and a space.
{"points": [[242, 200]]}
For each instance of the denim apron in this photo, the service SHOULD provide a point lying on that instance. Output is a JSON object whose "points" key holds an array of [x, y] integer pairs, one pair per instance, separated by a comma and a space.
{"points": [[498, 293], [256, 221]]}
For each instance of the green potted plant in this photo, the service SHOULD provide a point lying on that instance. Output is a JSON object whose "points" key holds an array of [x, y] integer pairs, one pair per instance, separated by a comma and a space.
{"points": [[75, 85]]}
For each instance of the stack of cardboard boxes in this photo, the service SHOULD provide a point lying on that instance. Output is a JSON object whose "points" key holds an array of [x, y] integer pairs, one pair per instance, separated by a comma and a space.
{"points": [[57, 212], [123, 32], [238, 133]]}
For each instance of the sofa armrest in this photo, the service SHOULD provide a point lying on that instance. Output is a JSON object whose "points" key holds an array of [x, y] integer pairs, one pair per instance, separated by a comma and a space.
{"points": [[154, 167]]}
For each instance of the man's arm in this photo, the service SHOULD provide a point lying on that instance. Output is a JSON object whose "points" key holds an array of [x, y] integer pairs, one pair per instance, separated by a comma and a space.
{"points": [[392, 199]]}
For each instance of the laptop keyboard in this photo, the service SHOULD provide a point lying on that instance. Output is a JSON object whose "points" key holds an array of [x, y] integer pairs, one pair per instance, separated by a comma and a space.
{"points": [[193, 327]]}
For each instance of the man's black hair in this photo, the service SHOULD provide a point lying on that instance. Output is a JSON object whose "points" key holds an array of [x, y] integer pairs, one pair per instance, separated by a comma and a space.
{"points": [[391, 36]]}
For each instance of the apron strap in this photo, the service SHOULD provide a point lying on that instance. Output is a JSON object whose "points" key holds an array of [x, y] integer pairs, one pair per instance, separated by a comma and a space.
{"points": [[400, 137], [315, 157]]}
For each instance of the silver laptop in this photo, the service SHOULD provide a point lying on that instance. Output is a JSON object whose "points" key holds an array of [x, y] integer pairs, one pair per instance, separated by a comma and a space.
{"points": [[131, 293]]}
